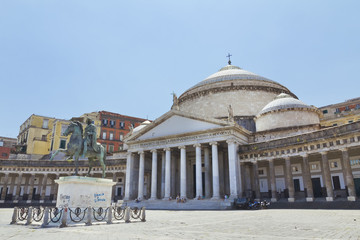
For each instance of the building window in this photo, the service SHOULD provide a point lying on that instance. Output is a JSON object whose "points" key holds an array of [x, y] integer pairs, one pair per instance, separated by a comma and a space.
{"points": [[336, 182], [347, 108], [111, 137], [132, 125], [121, 147], [43, 138], [337, 111], [4, 154], [334, 164], [112, 123], [104, 122], [45, 123], [121, 137], [62, 143], [261, 171], [104, 135], [122, 125], [351, 121], [335, 124], [1, 143], [357, 106], [119, 179], [325, 111], [111, 148], [295, 169], [315, 166], [63, 129], [355, 162]]}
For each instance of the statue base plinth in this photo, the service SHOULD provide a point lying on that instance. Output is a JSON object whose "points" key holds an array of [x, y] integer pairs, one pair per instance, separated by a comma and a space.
{"points": [[76, 191]]}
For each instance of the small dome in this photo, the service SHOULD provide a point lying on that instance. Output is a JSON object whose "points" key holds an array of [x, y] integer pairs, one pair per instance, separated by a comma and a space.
{"points": [[141, 126], [284, 101], [284, 112]]}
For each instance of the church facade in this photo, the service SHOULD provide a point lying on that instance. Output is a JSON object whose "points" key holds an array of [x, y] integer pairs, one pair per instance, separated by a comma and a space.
{"points": [[237, 134]]}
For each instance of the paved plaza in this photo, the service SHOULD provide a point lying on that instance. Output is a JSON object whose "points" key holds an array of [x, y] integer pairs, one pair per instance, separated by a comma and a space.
{"points": [[261, 224]]}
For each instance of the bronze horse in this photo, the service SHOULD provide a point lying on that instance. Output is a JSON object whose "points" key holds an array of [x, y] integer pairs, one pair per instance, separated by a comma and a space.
{"points": [[75, 148]]}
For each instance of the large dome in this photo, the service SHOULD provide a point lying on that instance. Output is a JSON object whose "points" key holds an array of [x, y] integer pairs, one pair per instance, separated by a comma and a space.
{"points": [[284, 112], [245, 91]]}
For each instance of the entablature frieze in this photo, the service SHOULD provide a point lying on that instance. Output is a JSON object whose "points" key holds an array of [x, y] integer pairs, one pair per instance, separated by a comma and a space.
{"points": [[171, 142]]}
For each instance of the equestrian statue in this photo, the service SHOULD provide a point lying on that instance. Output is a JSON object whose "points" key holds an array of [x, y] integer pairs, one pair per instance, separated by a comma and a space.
{"points": [[83, 144]]}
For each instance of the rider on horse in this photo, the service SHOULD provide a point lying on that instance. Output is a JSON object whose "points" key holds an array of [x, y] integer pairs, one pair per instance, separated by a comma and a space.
{"points": [[90, 137]]}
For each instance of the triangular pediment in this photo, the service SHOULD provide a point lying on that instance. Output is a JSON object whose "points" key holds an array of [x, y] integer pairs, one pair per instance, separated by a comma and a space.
{"points": [[176, 123]]}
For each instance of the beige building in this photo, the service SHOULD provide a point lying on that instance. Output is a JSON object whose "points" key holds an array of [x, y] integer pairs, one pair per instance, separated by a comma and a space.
{"points": [[341, 113]]}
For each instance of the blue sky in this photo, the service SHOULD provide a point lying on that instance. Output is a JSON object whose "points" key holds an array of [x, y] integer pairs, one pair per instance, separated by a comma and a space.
{"points": [[65, 58]]}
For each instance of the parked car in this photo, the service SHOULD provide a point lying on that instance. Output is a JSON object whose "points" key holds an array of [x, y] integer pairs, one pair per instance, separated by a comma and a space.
{"points": [[241, 203]]}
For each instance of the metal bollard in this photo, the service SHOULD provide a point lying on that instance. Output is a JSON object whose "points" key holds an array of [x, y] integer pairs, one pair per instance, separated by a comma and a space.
{"points": [[88, 216], [109, 216], [29, 217], [64, 218], [143, 216], [127, 214], [14, 216], [46, 217]]}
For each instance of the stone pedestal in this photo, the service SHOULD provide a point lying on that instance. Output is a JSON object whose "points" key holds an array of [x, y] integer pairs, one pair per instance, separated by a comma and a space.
{"points": [[76, 191]]}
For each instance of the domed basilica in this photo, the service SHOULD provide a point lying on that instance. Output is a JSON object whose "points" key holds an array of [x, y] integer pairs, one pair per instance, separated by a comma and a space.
{"points": [[238, 134], [234, 134]]}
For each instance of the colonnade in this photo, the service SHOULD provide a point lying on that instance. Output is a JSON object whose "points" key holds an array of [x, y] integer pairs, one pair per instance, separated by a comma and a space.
{"points": [[202, 158], [306, 175]]}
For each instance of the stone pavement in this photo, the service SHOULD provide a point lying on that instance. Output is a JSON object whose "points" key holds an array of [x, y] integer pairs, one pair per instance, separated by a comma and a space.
{"points": [[245, 224]]}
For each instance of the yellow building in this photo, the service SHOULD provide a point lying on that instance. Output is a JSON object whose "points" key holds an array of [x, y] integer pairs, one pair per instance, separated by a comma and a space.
{"points": [[340, 113], [33, 136], [40, 135]]}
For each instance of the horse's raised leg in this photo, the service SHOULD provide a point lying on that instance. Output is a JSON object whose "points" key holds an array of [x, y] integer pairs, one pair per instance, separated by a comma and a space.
{"points": [[55, 153], [76, 155], [90, 167]]}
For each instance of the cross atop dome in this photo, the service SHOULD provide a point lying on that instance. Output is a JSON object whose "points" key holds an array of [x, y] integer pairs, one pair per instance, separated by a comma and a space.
{"points": [[228, 56]]}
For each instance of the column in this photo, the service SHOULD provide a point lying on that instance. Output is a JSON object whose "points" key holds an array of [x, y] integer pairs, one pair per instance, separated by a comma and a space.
{"points": [[31, 188], [307, 179], [207, 172], [4, 190], [182, 171], [167, 173], [256, 180], [232, 168], [113, 190], [327, 177], [162, 174], [55, 187], [129, 167], [198, 171], [18, 187], [43, 188], [272, 180], [289, 180], [154, 174], [141, 175], [12, 186], [215, 170], [349, 179]]}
